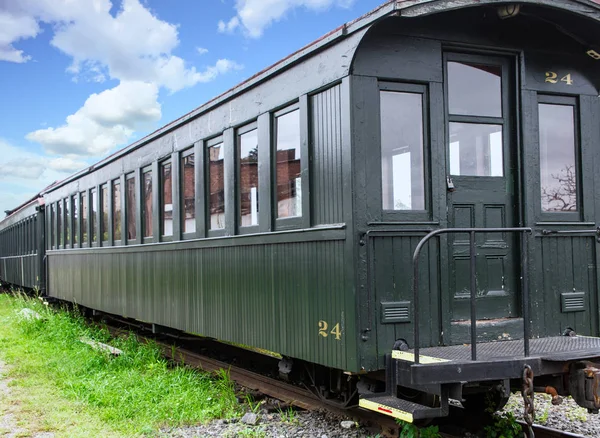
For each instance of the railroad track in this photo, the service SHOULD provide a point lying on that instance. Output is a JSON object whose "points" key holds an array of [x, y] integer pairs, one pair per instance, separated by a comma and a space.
{"points": [[294, 395]]}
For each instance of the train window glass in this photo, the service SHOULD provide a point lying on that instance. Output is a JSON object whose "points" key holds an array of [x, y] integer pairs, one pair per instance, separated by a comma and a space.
{"points": [[67, 221], [75, 220], [131, 207], [84, 219], [558, 171], [216, 184], [403, 182], [147, 212], [247, 146], [94, 216], [288, 165], [188, 194], [104, 212], [167, 199], [476, 149], [474, 89], [116, 210], [59, 225]]}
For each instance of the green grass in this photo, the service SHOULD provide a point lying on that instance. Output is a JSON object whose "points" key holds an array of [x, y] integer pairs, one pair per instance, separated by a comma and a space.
{"points": [[62, 385]]}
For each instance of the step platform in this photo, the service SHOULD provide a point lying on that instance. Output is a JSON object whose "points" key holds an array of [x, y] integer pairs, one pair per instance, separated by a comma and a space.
{"points": [[495, 360], [398, 408]]}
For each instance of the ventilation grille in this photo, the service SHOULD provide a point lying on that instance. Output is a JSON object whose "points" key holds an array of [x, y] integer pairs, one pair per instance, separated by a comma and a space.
{"points": [[572, 302], [395, 312]]}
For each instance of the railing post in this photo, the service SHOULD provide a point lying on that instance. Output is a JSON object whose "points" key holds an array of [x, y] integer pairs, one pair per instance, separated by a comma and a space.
{"points": [[525, 289], [416, 301], [473, 259]]}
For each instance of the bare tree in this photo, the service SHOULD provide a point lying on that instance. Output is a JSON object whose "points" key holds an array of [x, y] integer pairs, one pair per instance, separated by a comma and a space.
{"points": [[561, 196]]}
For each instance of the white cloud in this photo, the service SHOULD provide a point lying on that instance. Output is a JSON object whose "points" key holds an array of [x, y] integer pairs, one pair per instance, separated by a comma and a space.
{"points": [[256, 15], [230, 26], [106, 120], [132, 46], [12, 29], [201, 50]]}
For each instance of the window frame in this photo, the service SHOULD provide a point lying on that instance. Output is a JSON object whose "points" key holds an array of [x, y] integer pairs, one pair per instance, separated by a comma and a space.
{"points": [[161, 201], [217, 232], [567, 216], [85, 230], [131, 177], [407, 215], [117, 239], [76, 221], [101, 212], [183, 155], [244, 129], [143, 238], [294, 222]]}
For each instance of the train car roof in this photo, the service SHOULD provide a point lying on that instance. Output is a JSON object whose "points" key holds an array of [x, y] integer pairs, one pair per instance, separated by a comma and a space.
{"points": [[402, 8]]}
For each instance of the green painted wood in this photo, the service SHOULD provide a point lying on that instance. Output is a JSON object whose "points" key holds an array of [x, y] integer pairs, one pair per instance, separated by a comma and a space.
{"points": [[270, 296]]}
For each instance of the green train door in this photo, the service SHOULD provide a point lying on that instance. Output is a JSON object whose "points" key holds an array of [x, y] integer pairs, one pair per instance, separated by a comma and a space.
{"points": [[481, 180]]}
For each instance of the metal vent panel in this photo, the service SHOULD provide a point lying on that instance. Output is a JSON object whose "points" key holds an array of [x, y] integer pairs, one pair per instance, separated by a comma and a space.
{"points": [[572, 302], [395, 312]]}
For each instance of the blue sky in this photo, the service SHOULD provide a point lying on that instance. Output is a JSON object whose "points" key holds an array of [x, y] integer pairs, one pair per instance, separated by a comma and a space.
{"points": [[83, 78]]}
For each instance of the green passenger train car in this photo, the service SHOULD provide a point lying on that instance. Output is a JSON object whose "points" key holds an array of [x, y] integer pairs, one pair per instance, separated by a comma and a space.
{"points": [[409, 205]]}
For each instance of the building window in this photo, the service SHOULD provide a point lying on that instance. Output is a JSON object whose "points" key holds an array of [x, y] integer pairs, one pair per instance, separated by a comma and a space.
{"points": [[94, 216], [104, 212], [116, 210], [558, 168], [188, 194], [147, 197], [216, 186], [247, 148], [131, 207], [84, 219], [288, 165], [402, 169], [476, 149], [167, 200], [75, 220]]}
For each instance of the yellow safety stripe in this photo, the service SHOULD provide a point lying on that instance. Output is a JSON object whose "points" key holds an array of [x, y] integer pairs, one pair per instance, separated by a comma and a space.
{"points": [[410, 357], [386, 410]]}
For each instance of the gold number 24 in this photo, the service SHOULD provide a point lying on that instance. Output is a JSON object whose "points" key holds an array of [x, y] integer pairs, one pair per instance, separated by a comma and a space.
{"points": [[552, 77], [337, 332]]}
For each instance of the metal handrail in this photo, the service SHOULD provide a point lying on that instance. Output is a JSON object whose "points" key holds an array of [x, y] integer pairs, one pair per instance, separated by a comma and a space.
{"points": [[473, 257]]}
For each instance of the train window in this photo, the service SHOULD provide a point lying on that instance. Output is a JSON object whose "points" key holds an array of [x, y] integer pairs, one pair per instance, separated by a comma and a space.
{"points": [[188, 194], [558, 168], [59, 225], [288, 165], [474, 89], [247, 151], [94, 216], [104, 212], [84, 218], [116, 210], [166, 200], [67, 205], [131, 208], [476, 149], [147, 207], [402, 169], [216, 186], [75, 220]]}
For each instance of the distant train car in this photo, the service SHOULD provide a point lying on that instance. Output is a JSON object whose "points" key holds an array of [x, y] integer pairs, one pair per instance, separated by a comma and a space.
{"points": [[406, 210], [22, 246]]}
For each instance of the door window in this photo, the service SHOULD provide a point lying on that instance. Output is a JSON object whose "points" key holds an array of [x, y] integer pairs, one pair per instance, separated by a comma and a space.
{"points": [[476, 149], [475, 89]]}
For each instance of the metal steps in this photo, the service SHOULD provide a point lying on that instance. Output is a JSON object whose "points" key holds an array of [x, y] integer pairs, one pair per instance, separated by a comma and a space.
{"points": [[405, 410]]}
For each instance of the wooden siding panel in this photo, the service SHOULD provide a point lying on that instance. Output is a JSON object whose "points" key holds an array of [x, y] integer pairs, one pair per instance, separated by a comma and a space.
{"points": [[326, 164], [270, 296]]}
